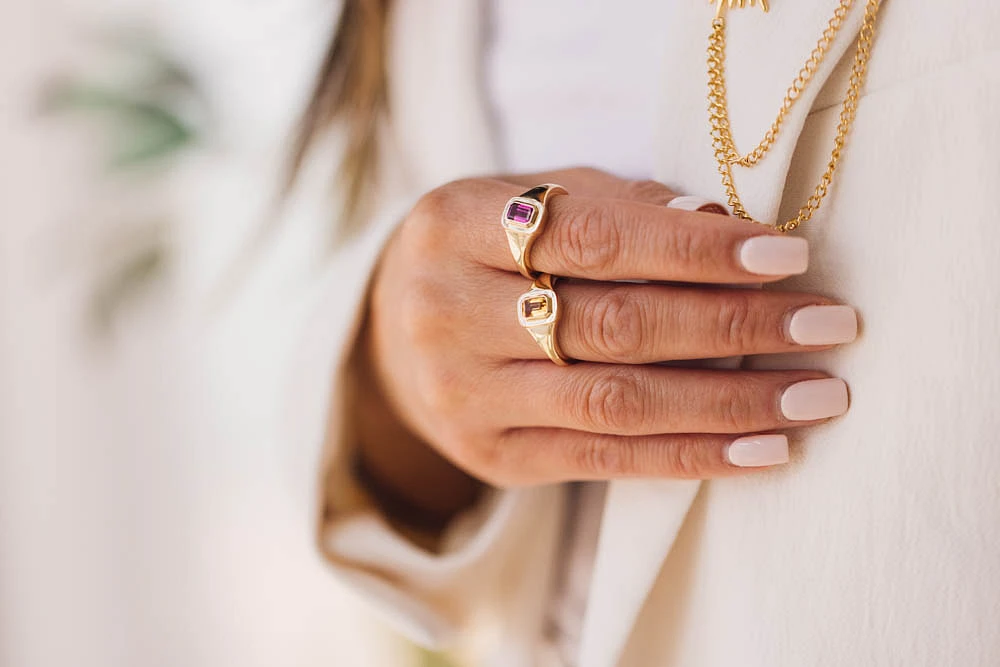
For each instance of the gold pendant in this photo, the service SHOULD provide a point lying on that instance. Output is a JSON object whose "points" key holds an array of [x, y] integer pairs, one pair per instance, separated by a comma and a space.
{"points": [[722, 5]]}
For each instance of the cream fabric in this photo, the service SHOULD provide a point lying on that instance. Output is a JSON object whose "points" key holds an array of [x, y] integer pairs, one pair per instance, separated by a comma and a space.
{"points": [[880, 543]]}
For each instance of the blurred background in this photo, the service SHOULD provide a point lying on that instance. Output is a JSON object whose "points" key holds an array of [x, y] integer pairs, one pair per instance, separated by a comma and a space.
{"points": [[147, 514]]}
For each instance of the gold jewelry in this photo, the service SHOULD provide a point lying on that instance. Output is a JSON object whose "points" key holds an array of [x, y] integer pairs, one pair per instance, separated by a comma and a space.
{"points": [[722, 5], [523, 218], [538, 312], [726, 154]]}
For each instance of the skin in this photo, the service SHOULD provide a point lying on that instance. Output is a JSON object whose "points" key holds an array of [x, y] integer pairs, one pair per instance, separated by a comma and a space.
{"points": [[453, 394]]}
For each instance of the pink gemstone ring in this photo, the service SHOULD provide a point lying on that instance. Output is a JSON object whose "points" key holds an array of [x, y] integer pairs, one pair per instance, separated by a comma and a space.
{"points": [[523, 219]]}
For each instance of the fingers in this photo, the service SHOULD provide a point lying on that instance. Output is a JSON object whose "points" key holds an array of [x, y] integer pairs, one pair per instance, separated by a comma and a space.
{"points": [[649, 400], [538, 456], [621, 239], [639, 324]]}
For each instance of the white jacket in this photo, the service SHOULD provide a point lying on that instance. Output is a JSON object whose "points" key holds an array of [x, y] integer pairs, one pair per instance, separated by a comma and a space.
{"points": [[880, 543]]}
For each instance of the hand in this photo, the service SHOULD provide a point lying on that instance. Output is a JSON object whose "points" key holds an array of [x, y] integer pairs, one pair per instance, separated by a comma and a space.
{"points": [[453, 368]]}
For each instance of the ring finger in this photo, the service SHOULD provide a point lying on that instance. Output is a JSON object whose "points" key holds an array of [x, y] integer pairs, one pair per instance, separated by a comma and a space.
{"points": [[648, 400]]}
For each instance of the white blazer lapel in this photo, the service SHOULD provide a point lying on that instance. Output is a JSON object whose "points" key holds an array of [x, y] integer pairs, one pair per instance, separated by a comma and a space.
{"points": [[766, 51]]}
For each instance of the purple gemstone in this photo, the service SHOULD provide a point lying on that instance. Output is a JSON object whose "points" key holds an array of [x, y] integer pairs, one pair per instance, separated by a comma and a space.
{"points": [[520, 213]]}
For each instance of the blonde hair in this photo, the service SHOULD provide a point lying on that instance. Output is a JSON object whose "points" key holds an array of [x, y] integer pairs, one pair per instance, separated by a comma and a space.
{"points": [[351, 90]]}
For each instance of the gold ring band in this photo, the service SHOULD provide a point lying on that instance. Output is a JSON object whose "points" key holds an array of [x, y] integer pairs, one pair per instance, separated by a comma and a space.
{"points": [[538, 312], [523, 219]]}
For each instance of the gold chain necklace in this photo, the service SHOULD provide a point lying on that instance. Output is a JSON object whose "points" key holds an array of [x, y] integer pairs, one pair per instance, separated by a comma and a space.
{"points": [[726, 153]]}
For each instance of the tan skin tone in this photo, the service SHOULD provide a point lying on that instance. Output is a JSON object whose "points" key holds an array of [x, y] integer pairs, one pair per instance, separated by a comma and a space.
{"points": [[455, 394]]}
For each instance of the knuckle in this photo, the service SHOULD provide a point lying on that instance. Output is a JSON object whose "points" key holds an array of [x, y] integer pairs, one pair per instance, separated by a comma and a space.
{"points": [[618, 326], [739, 409], [453, 438], [420, 234], [427, 226], [480, 455], [589, 244], [492, 459], [442, 199], [685, 461], [647, 191], [613, 403], [605, 459], [740, 323], [432, 206], [497, 466], [687, 247]]}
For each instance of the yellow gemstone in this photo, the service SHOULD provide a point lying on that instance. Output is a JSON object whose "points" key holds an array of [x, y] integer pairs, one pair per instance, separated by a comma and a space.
{"points": [[536, 308]]}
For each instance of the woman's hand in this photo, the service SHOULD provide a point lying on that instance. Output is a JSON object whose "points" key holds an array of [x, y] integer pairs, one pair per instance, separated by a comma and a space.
{"points": [[456, 380]]}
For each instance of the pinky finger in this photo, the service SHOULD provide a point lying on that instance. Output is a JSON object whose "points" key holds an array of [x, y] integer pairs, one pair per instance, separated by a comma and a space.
{"points": [[542, 455]]}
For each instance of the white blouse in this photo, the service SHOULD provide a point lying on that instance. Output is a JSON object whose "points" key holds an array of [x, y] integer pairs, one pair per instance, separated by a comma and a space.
{"points": [[576, 82]]}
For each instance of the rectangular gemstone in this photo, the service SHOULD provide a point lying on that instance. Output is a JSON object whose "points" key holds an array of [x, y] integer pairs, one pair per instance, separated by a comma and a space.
{"points": [[536, 308], [520, 213]]}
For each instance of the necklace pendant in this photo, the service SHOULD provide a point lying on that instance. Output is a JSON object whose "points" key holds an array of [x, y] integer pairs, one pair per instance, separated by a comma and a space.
{"points": [[722, 5]]}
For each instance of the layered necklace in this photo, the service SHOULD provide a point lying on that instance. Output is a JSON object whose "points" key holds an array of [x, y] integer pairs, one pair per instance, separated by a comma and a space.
{"points": [[726, 154]]}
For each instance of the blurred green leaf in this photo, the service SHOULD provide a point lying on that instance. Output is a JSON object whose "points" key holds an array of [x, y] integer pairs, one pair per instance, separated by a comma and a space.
{"points": [[153, 137], [152, 110], [143, 131]]}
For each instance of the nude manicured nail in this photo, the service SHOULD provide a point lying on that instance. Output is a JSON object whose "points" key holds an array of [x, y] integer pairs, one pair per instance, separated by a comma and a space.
{"points": [[757, 451], [823, 325], [775, 255], [690, 203], [815, 399]]}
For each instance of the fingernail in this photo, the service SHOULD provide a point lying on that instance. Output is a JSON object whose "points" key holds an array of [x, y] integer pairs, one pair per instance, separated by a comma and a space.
{"points": [[689, 203], [775, 255], [815, 399], [757, 451], [823, 325]]}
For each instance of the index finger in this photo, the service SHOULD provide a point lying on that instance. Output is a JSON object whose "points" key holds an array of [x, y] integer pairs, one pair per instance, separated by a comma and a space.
{"points": [[618, 239]]}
